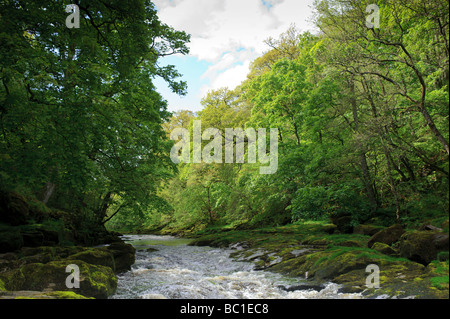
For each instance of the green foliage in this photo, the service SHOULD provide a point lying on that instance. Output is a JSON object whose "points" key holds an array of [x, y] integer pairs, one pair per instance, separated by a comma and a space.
{"points": [[79, 114], [362, 116], [309, 203], [319, 203], [363, 125]]}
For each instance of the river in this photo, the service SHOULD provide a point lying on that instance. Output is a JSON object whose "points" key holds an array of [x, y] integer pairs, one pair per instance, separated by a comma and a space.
{"points": [[167, 268]]}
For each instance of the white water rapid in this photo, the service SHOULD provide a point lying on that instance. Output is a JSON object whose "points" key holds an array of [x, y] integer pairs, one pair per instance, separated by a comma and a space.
{"points": [[178, 271]]}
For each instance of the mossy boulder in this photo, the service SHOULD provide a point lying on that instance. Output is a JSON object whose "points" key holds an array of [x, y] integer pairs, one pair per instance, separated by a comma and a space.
{"points": [[95, 256], [323, 265], [123, 255], [7, 261], [95, 280], [387, 235], [384, 249], [423, 246]]}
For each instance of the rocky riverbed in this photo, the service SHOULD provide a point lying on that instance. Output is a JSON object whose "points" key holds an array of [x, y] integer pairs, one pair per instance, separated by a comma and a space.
{"points": [[411, 263]]}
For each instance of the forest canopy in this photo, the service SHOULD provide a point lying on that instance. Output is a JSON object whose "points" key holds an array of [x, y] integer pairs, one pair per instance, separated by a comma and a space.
{"points": [[362, 113]]}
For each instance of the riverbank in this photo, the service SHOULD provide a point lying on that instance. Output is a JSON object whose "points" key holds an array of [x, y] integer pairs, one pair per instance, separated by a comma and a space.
{"points": [[37, 244], [42, 273], [412, 263]]}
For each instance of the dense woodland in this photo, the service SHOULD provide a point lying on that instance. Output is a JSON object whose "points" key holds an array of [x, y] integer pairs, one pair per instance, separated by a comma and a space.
{"points": [[362, 115]]}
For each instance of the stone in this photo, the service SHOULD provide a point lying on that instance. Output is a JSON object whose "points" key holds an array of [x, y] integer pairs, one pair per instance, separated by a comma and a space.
{"points": [[423, 246], [95, 281], [384, 249], [123, 255], [95, 256], [317, 287], [387, 236]]}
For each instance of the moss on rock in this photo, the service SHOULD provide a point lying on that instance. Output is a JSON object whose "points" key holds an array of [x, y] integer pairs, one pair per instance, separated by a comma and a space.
{"points": [[41, 295], [384, 249], [387, 236], [423, 246], [95, 256], [95, 280]]}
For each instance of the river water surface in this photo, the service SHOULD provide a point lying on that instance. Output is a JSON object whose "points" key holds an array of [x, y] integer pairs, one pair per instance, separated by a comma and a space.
{"points": [[166, 267]]}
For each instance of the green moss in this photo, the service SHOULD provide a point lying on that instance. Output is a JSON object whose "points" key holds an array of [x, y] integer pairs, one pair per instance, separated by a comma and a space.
{"points": [[95, 256], [440, 282], [440, 267], [2, 286], [50, 295], [66, 295], [12, 280], [95, 280]]}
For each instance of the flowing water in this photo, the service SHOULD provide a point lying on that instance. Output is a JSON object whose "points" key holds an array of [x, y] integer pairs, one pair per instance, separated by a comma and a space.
{"points": [[166, 267]]}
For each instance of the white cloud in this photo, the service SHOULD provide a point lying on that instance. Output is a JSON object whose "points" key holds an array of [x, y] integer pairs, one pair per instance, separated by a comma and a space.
{"points": [[231, 77], [230, 33]]}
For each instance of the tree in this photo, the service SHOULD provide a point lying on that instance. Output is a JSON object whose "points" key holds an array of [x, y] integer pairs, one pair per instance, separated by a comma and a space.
{"points": [[398, 52], [80, 116]]}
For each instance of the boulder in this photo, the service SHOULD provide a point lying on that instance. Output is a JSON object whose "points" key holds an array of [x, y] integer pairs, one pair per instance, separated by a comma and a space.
{"points": [[95, 256], [95, 280], [384, 249], [387, 236], [123, 255], [423, 246]]}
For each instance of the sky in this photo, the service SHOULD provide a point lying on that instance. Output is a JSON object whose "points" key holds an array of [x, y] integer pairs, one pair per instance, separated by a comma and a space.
{"points": [[226, 36]]}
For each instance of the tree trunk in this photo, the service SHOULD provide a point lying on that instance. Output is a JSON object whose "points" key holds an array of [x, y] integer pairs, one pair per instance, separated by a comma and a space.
{"points": [[362, 155], [101, 211], [433, 127], [386, 152], [49, 189]]}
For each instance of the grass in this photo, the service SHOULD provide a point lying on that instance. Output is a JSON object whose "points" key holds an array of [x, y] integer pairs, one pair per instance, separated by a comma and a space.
{"points": [[440, 282]]}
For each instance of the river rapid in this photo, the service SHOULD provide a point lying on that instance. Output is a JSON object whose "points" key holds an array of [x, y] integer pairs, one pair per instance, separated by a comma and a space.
{"points": [[167, 268]]}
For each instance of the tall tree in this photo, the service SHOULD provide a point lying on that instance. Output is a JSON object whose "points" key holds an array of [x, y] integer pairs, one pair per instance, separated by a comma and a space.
{"points": [[80, 115]]}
